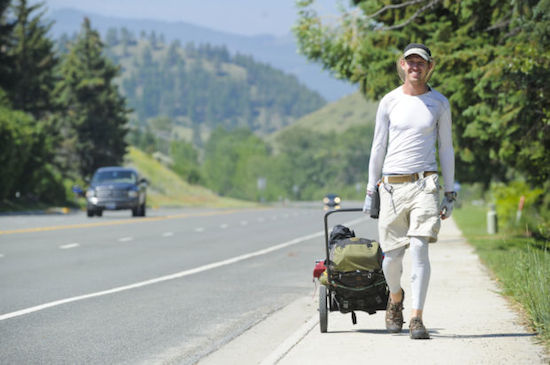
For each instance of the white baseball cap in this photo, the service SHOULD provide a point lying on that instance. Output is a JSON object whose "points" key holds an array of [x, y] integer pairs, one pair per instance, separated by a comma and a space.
{"points": [[418, 49]]}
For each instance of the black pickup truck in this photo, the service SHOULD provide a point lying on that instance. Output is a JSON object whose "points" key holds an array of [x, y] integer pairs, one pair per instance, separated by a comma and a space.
{"points": [[115, 188]]}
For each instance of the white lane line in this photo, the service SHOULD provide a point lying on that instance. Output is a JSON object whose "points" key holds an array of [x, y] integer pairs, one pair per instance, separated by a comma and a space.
{"points": [[244, 223], [167, 234], [125, 239], [1, 255], [199, 229], [68, 246], [261, 219], [161, 279], [224, 226]]}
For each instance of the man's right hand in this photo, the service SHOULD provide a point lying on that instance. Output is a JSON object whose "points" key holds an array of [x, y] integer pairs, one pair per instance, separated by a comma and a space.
{"points": [[368, 202], [446, 207]]}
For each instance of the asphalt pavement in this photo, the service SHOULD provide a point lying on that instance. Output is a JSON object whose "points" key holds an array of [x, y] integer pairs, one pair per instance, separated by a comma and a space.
{"points": [[167, 288], [469, 322]]}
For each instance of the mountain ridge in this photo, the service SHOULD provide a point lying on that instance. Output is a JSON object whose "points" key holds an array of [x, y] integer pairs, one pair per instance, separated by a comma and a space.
{"points": [[202, 88], [279, 52]]}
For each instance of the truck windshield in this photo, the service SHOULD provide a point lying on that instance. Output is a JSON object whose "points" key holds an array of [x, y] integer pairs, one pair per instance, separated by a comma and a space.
{"points": [[115, 176]]}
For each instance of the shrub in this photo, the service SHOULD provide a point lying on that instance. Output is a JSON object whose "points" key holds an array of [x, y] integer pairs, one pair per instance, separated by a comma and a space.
{"points": [[507, 199]]}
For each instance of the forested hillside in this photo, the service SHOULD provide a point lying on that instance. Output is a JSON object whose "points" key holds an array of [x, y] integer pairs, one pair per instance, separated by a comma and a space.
{"points": [[67, 107], [201, 87]]}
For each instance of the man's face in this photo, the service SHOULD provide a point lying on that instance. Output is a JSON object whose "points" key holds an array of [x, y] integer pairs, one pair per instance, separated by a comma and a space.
{"points": [[416, 69]]}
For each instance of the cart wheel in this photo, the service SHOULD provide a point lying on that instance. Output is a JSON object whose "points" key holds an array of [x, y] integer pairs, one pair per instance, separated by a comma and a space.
{"points": [[323, 312]]}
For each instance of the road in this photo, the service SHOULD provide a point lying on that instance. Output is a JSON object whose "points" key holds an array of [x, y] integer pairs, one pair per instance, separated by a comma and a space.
{"points": [[168, 288]]}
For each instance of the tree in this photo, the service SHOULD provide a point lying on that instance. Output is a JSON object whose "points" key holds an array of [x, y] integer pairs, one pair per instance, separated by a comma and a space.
{"points": [[16, 140], [318, 163], [6, 40], [492, 60], [28, 77], [34, 62], [127, 39], [185, 158], [95, 113], [111, 38], [231, 162]]}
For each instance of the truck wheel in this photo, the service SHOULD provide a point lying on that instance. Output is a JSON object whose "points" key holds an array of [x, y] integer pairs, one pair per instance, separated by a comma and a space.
{"points": [[90, 212]]}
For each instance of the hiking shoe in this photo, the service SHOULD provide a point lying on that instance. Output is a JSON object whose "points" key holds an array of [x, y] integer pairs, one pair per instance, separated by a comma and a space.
{"points": [[417, 331], [394, 315]]}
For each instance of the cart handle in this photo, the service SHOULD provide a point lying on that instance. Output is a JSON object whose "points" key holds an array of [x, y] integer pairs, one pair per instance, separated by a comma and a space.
{"points": [[326, 228]]}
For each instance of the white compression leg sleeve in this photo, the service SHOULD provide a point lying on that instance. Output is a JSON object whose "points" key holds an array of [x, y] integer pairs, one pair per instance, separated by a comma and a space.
{"points": [[393, 268], [420, 270]]}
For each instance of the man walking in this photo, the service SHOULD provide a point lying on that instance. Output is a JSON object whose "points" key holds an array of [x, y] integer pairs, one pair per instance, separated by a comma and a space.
{"points": [[409, 121]]}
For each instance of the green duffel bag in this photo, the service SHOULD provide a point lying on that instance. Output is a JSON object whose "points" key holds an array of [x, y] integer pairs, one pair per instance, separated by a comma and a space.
{"points": [[355, 253]]}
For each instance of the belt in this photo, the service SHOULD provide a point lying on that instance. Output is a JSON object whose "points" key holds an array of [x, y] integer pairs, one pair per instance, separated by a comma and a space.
{"points": [[398, 179]]}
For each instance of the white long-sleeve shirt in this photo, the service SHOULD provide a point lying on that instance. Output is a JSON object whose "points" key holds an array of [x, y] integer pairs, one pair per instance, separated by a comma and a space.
{"points": [[405, 134]]}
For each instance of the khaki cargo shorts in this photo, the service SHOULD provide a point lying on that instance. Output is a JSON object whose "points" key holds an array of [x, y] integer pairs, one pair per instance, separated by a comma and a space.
{"points": [[408, 209]]}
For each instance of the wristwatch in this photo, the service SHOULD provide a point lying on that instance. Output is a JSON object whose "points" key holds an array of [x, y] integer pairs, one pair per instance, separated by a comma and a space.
{"points": [[451, 195]]}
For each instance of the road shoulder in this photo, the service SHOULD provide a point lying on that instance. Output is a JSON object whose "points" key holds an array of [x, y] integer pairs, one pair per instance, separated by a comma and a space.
{"points": [[271, 338]]}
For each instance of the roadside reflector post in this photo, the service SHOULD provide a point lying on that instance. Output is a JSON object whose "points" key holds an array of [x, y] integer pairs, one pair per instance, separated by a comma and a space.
{"points": [[492, 222]]}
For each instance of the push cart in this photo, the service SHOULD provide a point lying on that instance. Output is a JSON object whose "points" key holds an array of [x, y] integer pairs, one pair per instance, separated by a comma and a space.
{"points": [[347, 292]]}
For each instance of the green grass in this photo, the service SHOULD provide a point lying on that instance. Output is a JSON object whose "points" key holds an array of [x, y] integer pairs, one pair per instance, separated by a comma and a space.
{"points": [[167, 189], [520, 264], [25, 206], [336, 117], [339, 116]]}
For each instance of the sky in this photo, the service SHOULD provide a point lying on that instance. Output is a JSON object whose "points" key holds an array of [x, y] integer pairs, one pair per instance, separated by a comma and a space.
{"points": [[245, 17]]}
